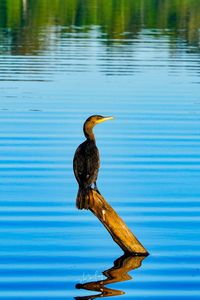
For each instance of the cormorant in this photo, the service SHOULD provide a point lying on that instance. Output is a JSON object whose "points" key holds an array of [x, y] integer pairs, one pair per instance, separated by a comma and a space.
{"points": [[86, 161]]}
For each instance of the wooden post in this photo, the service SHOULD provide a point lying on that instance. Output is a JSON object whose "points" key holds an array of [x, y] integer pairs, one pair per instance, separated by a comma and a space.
{"points": [[119, 231]]}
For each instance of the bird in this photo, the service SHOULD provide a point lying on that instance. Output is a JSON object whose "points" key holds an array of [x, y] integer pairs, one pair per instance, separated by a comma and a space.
{"points": [[86, 162]]}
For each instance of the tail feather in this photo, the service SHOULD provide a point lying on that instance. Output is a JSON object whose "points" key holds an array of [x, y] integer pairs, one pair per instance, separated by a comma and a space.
{"points": [[83, 198]]}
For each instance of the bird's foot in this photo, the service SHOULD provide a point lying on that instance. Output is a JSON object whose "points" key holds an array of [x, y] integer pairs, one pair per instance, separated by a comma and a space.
{"points": [[96, 188]]}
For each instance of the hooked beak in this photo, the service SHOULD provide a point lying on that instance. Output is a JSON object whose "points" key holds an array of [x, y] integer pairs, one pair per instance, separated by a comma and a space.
{"points": [[105, 119]]}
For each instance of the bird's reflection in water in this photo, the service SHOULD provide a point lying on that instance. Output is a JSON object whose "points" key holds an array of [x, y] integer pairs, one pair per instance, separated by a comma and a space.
{"points": [[118, 273]]}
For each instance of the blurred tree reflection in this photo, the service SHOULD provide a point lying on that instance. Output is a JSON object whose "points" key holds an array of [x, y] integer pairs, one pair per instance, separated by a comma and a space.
{"points": [[22, 22]]}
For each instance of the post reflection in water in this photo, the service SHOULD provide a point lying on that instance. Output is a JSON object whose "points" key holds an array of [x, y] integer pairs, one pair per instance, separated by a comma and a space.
{"points": [[118, 273]]}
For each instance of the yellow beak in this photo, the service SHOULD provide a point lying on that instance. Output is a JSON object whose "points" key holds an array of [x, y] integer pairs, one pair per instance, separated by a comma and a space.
{"points": [[105, 119]]}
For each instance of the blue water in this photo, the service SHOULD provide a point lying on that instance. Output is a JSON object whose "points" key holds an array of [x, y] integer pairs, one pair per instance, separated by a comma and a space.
{"points": [[150, 164]]}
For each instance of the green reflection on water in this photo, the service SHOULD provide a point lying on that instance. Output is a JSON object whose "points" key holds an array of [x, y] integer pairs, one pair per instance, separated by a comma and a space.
{"points": [[21, 20]]}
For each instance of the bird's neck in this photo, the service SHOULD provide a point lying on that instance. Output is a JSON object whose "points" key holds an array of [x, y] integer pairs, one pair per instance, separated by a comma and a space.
{"points": [[88, 131]]}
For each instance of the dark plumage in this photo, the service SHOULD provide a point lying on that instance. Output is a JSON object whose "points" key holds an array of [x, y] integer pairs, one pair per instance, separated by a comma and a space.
{"points": [[86, 161]]}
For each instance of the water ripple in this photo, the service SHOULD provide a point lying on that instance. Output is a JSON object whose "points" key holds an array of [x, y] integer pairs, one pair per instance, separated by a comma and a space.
{"points": [[150, 161]]}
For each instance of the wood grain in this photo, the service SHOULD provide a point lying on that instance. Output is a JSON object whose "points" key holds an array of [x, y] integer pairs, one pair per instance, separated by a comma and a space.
{"points": [[119, 231]]}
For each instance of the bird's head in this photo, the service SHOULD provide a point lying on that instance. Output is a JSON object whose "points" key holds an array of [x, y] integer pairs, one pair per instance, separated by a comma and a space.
{"points": [[91, 122]]}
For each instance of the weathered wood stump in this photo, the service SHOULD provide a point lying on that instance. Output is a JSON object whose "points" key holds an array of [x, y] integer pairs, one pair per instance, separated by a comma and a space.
{"points": [[119, 231]]}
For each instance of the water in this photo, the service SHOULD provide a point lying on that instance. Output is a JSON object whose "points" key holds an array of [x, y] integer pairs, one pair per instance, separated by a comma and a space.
{"points": [[61, 61]]}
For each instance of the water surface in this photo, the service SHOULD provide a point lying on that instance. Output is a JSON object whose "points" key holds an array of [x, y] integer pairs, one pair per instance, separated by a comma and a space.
{"points": [[61, 61]]}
